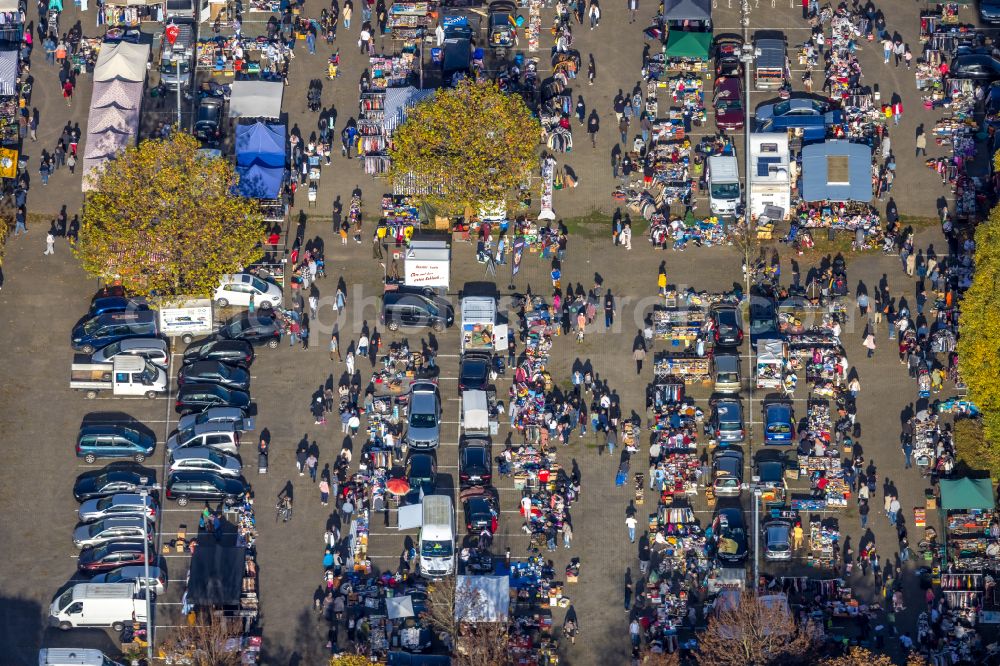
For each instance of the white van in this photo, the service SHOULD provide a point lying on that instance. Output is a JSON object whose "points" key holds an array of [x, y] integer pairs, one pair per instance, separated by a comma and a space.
{"points": [[723, 181], [112, 605], [475, 413], [73, 657], [437, 537]]}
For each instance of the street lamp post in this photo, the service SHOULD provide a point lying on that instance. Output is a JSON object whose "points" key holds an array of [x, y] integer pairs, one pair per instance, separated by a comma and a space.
{"points": [[144, 494], [756, 536]]}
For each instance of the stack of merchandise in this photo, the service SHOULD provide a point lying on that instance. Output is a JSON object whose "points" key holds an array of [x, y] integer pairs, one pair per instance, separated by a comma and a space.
{"points": [[823, 541], [400, 216]]}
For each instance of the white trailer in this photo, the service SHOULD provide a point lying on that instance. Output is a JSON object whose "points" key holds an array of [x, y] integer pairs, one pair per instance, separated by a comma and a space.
{"points": [[187, 318], [480, 328]]}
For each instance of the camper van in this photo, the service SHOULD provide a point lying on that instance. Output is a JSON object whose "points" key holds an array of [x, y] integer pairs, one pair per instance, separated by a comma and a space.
{"points": [[723, 179], [98, 605], [437, 537]]}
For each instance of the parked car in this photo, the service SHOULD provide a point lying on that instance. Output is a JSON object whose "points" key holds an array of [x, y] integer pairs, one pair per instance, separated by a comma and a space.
{"points": [[238, 289], [214, 372], [153, 349], [424, 421], [727, 327], [728, 100], [727, 472], [113, 441], [223, 437], [93, 333], [185, 486], [800, 106], [481, 507], [474, 372], [257, 329], [208, 122], [115, 300], [763, 319], [199, 397], [731, 536], [475, 463], [109, 530], [111, 556], [777, 539], [241, 422], [726, 422], [415, 308], [726, 374], [779, 422], [977, 66], [421, 474], [728, 53], [122, 504], [119, 477], [231, 352], [205, 459], [157, 580]]}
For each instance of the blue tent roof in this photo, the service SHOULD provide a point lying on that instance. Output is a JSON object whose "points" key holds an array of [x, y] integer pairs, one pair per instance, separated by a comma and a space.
{"points": [[260, 182], [819, 158], [260, 143]]}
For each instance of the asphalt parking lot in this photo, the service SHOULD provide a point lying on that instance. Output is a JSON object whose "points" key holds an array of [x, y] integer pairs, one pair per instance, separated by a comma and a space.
{"points": [[44, 296]]}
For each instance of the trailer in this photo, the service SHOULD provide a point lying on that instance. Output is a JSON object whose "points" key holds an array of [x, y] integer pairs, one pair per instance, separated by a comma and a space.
{"points": [[480, 328], [772, 358], [187, 318]]}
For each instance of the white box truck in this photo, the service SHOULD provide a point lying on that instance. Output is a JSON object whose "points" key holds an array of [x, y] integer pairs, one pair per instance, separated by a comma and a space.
{"points": [[723, 181], [187, 318], [125, 376], [437, 537], [112, 605], [480, 329], [74, 657]]}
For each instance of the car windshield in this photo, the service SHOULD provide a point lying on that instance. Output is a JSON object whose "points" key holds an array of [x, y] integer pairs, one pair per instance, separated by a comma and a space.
{"points": [[65, 599], [728, 105], [781, 108], [259, 285], [110, 350], [104, 503], [423, 420], [185, 435], [436, 549], [91, 325], [169, 66], [726, 191], [149, 374], [95, 529], [235, 328]]}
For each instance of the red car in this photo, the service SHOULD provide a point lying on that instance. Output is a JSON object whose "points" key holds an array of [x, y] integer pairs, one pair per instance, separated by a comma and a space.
{"points": [[728, 99], [111, 556]]}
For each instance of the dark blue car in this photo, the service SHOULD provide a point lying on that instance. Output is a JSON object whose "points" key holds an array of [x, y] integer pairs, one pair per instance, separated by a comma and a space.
{"points": [[779, 425]]}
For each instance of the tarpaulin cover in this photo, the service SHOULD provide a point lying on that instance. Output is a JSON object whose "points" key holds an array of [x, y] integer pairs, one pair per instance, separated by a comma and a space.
{"points": [[123, 60], [400, 100], [688, 10], [816, 176], [482, 598], [260, 182], [260, 143], [256, 99], [694, 45], [216, 576], [397, 607], [966, 494], [117, 93], [8, 73]]}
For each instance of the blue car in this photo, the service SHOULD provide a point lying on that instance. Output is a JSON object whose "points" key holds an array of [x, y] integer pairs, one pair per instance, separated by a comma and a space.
{"points": [[779, 423]]}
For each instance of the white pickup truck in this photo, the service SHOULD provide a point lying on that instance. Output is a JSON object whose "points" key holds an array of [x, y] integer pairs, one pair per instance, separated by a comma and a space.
{"points": [[126, 375]]}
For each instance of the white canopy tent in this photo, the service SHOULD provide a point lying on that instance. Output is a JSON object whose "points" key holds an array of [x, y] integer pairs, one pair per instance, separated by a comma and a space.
{"points": [[123, 60], [399, 607], [256, 99]]}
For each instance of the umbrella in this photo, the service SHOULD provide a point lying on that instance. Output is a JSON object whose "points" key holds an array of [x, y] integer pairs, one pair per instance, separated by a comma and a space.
{"points": [[397, 486]]}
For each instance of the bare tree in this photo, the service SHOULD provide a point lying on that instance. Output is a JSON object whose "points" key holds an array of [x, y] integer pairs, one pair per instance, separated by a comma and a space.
{"points": [[483, 644], [756, 633], [440, 613], [204, 642], [473, 643]]}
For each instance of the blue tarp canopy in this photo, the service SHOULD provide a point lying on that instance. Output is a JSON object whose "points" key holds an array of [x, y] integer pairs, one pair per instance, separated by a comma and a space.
{"points": [[260, 143], [837, 171], [260, 182]]}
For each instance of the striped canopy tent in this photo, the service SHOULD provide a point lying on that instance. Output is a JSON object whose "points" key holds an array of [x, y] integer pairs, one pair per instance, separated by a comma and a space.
{"points": [[8, 73]]}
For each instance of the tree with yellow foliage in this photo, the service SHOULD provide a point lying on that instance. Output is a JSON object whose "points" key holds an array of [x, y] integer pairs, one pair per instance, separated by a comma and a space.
{"points": [[466, 146], [163, 220]]}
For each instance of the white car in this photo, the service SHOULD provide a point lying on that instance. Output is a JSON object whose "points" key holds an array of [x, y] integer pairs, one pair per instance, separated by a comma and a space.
{"points": [[204, 459], [133, 573], [237, 290], [123, 504], [154, 349]]}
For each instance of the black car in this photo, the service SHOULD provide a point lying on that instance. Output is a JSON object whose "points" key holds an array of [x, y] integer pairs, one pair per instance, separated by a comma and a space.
{"points": [[103, 304], [230, 352], [121, 477], [989, 11], [727, 328], [415, 308], [731, 536], [257, 329], [214, 372], [763, 319], [474, 373], [193, 398], [208, 123], [208, 486], [979, 67], [421, 474], [475, 463], [482, 508]]}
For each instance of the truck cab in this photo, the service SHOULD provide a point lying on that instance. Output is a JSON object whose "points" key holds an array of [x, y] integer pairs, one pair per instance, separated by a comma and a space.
{"points": [[437, 537]]}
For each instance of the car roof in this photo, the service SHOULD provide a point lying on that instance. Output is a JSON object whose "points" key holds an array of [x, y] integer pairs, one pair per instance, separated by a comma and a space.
{"points": [[118, 521], [106, 429], [204, 388], [142, 343], [777, 407], [728, 408], [193, 475], [196, 453], [212, 427]]}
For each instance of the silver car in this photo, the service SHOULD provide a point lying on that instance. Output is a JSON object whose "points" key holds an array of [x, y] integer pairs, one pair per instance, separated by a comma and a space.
{"points": [[233, 415], [777, 540], [205, 459], [123, 504], [133, 573], [153, 349], [107, 530], [424, 422], [222, 437]]}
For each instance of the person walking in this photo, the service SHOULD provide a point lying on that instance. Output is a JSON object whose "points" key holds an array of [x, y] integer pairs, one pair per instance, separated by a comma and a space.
{"points": [[50, 244], [348, 11], [311, 463], [335, 348], [67, 92], [33, 125], [869, 344], [633, 8], [921, 145], [363, 345], [581, 109], [591, 69], [908, 452], [324, 494], [627, 589], [593, 127], [639, 353], [349, 362], [567, 534], [609, 309], [300, 457], [595, 14], [863, 510], [630, 523]]}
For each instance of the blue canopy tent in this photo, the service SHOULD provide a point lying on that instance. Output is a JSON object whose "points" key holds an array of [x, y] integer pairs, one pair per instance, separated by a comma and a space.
{"points": [[259, 181], [837, 171], [260, 143]]}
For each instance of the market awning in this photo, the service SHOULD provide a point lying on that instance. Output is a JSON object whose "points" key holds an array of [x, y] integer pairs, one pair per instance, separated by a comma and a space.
{"points": [[966, 494], [482, 598], [216, 577], [400, 100], [397, 607], [116, 93], [260, 143], [410, 517], [688, 10], [123, 60], [260, 182], [8, 73], [694, 45], [837, 171], [256, 99]]}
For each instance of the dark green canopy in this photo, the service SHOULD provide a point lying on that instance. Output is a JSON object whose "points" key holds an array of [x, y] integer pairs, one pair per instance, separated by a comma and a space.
{"points": [[694, 45], [966, 494]]}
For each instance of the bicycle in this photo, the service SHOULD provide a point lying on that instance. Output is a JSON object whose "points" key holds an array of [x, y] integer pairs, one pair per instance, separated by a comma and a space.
{"points": [[283, 509]]}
